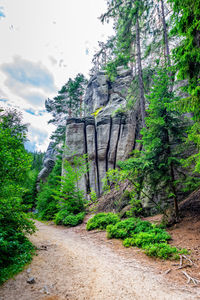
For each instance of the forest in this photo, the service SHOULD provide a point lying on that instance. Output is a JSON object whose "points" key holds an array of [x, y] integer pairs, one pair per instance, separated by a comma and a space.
{"points": [[159, 42]]}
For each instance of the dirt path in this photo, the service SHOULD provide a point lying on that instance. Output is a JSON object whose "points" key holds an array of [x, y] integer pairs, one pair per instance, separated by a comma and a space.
{"points": [[76, 266]]}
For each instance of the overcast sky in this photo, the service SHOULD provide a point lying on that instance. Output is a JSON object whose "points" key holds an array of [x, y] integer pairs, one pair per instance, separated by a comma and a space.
{"points": [[43, 44]]}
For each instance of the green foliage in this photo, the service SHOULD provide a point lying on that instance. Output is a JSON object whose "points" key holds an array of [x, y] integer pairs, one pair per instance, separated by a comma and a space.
{"points": [[101, 220], [164, 251], [156, 164], [15, 249], [12, 119], [29, 196], [37, 162], [136, 233], [186, 17], [93, 196], [142, 239], [15, 252], [143, 234], [15, 161], [127, 227], [60, 197], [68, 103], [63, 217], [47, 205], [92, 203], [70, 199], [186, 25], [113, 178], [135, 203]]}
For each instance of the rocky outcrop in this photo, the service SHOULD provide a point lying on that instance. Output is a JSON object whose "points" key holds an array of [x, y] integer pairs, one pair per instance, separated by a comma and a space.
{"points": [[48, 163], [105, 133]]}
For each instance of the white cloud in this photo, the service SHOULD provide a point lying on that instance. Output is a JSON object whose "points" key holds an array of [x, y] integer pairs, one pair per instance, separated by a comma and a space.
{"points": [[28, 74], [42, 45]]}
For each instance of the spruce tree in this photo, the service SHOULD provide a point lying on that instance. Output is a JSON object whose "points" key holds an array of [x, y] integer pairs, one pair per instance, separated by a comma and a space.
{"points": [[186, 18], [128, 16], [68, 103], [157, 165]]}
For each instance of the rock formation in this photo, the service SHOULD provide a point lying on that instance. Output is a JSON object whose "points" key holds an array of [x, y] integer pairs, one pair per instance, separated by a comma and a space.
{"points": [[105, 134], [48, 164]]}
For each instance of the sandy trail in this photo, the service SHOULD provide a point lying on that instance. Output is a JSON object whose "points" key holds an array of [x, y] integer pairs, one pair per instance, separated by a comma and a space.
{"points": [[76, 267]]}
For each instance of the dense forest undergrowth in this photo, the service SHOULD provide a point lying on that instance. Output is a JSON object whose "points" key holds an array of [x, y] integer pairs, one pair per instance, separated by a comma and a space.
{"points": [[165, 166]]}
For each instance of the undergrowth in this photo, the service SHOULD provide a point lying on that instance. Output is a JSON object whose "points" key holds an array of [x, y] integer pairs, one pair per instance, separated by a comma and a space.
{"points": [[69, 219], [137, 233], [16, 252], [101, 220]]}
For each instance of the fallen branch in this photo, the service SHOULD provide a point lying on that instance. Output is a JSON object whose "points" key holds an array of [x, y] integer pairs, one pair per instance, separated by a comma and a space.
{"points": [[188, 259], [189, 278], [182, 267]]}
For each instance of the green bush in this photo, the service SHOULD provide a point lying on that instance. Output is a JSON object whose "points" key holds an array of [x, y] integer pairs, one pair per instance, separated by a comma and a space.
{"points": [[164, 251], [15, 248], [101, 220], [74, 220], [15, 251], [122, 229], [145, 238], [64, 217]]}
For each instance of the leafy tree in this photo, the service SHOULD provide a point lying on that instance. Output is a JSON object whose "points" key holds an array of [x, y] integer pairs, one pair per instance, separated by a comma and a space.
{"points": [[11, 118], [15, 249], [14, 160]]}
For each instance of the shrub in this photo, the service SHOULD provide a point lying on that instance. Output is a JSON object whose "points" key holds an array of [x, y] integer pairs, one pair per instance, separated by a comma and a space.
{"points": [[46, 204], [122, 229], [64, 217], [74, 220], [164, 251], [101, 220], [15, 248], [145, 238], [15, 251]]}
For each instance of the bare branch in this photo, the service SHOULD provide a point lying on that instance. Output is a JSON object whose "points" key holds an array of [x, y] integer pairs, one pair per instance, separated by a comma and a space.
{"points": [[189, 278]]}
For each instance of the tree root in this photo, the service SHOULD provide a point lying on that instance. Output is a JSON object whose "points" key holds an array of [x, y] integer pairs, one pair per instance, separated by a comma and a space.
{"points": [[181, 266], [189, 278]]}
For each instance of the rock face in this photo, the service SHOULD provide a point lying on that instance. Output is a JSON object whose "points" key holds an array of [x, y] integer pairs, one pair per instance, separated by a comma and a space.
{"points": [[48, 164], [105, 134]]}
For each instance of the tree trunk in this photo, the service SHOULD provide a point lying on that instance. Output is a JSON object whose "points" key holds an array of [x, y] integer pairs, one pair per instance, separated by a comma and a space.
{"points": [[139, 65], [176, 210], [172, 176]]}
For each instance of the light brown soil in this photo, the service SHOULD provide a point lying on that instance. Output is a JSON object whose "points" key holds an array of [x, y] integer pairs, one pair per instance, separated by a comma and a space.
{"points": [[85, 265]]}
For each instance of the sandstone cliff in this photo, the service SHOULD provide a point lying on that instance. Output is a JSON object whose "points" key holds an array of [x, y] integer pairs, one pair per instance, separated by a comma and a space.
{"points": [[104, 134]]}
